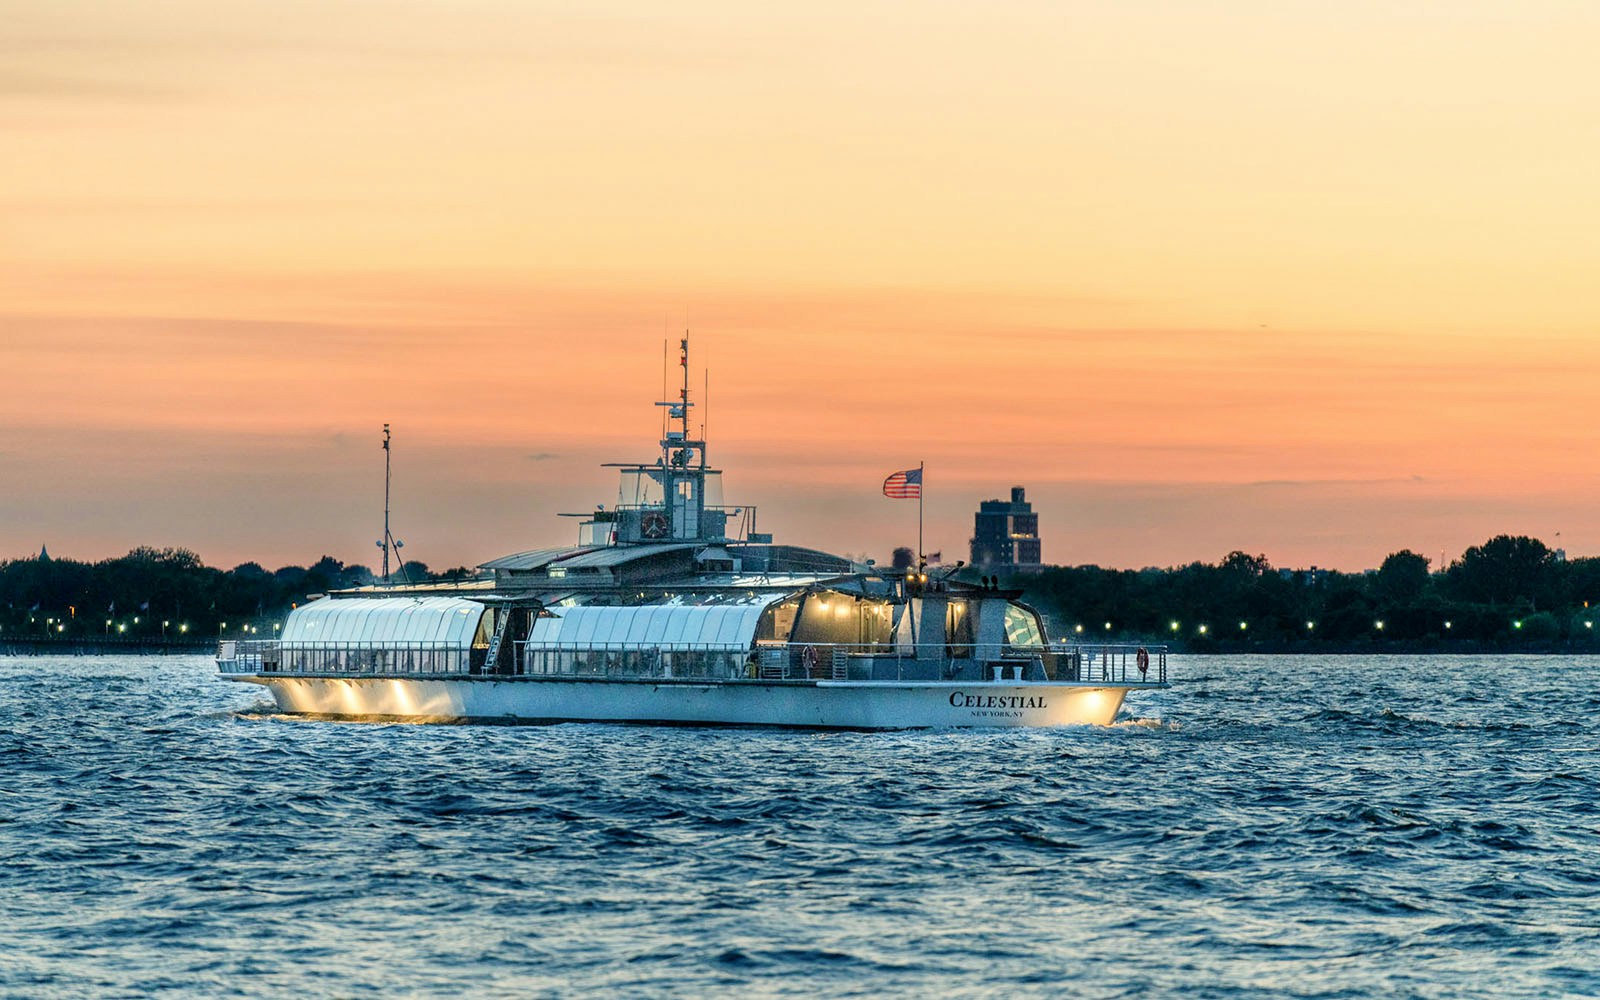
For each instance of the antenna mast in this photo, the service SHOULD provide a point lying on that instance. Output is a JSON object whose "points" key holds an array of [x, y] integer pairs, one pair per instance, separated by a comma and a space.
{"points": [[388, 538]]}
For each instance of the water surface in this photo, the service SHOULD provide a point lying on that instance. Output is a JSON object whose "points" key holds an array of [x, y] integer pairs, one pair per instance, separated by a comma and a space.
{"points": [[1270, 827]]}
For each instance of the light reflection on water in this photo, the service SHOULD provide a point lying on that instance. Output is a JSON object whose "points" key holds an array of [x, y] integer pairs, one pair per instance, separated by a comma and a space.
{"points": [[1271, 826]]}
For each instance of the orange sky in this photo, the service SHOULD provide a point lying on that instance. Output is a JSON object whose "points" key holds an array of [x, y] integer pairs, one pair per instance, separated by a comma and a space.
{"points": [[1297, 278]]}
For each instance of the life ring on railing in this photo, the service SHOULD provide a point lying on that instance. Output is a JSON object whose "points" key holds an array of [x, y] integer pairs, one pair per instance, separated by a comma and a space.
{"points": [[808, 658], [1143, 660]]}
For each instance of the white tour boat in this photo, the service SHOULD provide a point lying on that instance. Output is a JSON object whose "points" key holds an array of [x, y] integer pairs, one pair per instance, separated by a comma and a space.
{"points": [[674, 609]]}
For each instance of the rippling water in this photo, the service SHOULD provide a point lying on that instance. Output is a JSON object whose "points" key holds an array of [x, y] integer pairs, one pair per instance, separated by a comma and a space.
{"points": [[1271, 826]]}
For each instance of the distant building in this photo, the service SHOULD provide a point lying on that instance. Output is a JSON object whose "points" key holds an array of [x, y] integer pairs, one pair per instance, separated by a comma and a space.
{"points": [[1006, 533], [1309, 577]]}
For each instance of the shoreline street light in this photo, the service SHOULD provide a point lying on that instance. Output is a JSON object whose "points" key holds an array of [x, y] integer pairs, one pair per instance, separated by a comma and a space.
{"points": [[1310, 626], [1378, 624], [1174, 626]]}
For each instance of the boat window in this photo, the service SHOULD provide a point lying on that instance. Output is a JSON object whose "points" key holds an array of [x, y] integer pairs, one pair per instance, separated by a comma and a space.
{"points": [[1022, 627], [829, 617], [778, 621], [638, 487]]}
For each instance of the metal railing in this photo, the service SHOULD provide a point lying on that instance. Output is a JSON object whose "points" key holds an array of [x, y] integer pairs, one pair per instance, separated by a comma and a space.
{"points": [[1096, 663], [712, 661], [270, 656]]}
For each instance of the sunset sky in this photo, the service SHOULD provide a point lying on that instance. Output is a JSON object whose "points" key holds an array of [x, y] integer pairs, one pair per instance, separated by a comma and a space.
{"points": [[1310, 280]]}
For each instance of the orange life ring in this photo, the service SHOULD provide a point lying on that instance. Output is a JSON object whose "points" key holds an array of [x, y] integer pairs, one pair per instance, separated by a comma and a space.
{"points": [[808, 656], [1143, 660]]}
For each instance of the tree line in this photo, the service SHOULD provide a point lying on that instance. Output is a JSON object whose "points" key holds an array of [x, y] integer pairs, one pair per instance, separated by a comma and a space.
{"points": [[170, 593], [1510, 590]]}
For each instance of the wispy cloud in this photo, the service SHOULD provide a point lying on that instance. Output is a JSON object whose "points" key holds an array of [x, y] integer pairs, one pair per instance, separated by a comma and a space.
{"points": [[1297, 483], [26, 85]]}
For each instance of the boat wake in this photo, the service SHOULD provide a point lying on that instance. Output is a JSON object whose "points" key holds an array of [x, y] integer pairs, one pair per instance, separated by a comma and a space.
{"points": [[1165, 725]]}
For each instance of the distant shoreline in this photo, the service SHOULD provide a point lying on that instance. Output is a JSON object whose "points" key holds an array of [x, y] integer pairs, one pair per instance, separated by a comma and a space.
{"points": [[22, 645]]}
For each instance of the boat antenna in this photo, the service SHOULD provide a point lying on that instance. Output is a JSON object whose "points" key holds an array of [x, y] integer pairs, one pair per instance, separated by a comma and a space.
{"points": [[663, 374], [683, 395]]}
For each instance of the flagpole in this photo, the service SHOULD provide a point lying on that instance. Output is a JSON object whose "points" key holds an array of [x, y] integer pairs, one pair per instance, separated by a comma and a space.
{"points": [[922, 561]]}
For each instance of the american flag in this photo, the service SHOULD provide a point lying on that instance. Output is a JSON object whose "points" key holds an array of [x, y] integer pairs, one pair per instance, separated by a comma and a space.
{"points": [[905, 485]]}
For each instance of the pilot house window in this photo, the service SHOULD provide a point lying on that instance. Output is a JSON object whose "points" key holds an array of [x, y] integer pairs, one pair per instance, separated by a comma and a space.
{"points": [[1022, 627]]}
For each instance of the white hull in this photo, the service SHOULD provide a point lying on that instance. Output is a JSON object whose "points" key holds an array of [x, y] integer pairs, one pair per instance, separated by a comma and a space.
{"points": [[823, 705]]}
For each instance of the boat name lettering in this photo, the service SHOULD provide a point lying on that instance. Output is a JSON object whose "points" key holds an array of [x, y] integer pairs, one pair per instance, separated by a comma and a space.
{"points": [[960, 699]]}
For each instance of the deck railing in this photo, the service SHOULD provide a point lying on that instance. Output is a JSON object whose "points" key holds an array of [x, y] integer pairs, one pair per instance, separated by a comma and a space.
{"points": [[271, 656], [1096, 663]]}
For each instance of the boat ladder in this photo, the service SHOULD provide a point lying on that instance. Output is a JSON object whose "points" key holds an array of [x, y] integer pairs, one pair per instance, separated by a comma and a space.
{"points": [[494, 642]]}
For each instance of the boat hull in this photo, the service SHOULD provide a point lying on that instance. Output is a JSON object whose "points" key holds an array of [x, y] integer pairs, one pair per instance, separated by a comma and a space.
{"points": [[820, 705]]}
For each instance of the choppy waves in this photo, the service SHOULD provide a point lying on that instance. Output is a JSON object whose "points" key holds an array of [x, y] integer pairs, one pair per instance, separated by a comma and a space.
{"points": [[1274, 826]]}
